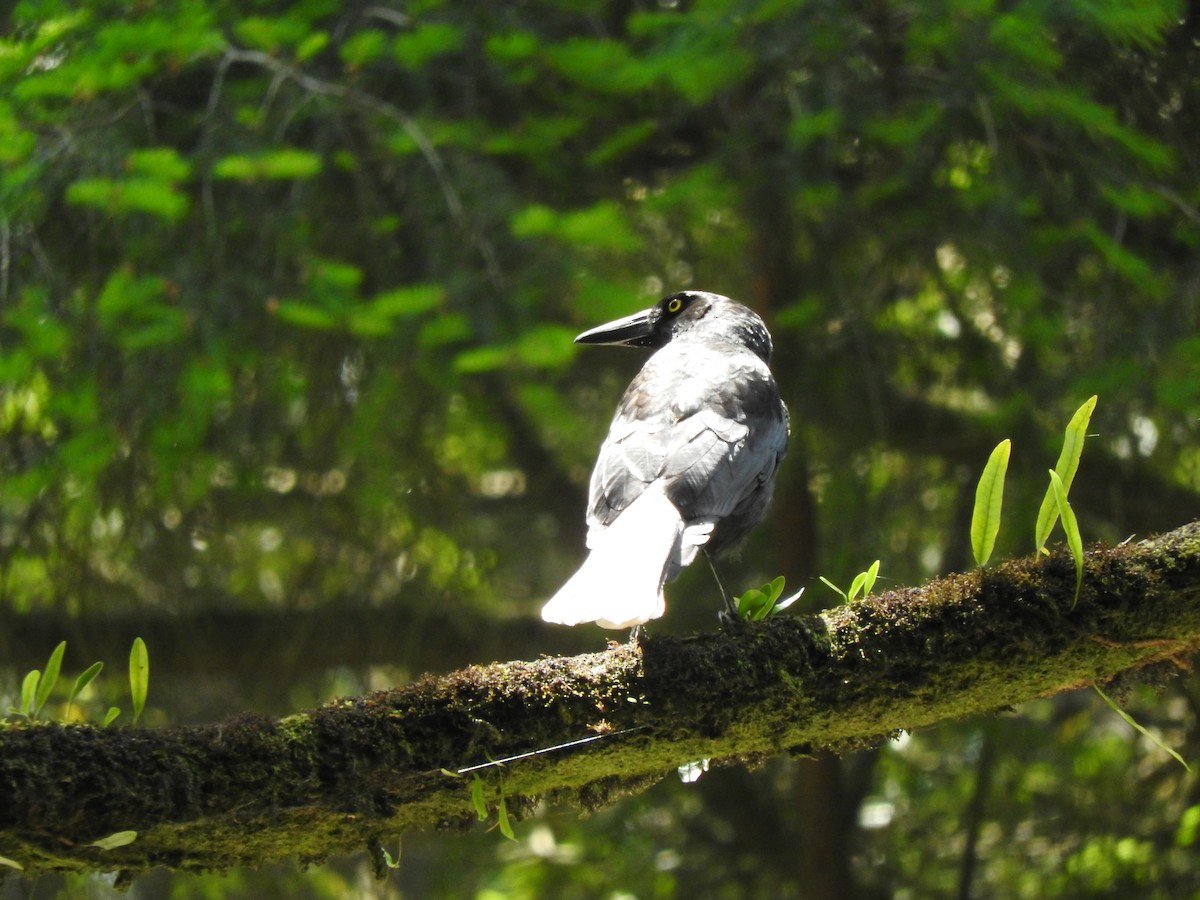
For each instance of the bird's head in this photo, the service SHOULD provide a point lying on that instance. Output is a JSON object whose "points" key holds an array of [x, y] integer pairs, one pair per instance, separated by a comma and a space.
{"points": [[686, 315]]}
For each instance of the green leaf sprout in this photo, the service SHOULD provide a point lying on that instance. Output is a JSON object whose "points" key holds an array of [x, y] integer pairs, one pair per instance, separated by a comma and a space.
{"points": [[139, 676], [989, 498], [477, 799], [863, 582], [1071, 527], [49, 678], [759, 603], [1068, 464], [502, 819], [85, 678]]}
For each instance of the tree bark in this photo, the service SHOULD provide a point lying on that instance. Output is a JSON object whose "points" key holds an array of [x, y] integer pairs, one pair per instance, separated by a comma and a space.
{"points": [[356, 771]]}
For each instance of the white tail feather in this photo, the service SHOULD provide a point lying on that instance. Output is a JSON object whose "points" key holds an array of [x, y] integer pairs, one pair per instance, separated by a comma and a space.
{"points": [[620, 584]]}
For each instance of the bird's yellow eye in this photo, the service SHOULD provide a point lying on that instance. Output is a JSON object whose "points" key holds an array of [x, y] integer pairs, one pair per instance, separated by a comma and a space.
{"points": [[674, 305]]}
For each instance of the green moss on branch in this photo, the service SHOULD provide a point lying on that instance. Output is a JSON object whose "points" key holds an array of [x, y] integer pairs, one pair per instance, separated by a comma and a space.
{"points": [[342, 777]]}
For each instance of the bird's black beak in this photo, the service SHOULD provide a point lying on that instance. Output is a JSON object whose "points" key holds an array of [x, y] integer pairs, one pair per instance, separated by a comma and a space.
{"points": [[637, 330]]}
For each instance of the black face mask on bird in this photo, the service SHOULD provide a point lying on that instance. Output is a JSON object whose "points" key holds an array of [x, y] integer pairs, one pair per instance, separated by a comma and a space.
{"points": [[690, 459]]}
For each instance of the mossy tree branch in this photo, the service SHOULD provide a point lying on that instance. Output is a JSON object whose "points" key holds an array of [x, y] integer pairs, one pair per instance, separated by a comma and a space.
{"points": [[354, 772]]}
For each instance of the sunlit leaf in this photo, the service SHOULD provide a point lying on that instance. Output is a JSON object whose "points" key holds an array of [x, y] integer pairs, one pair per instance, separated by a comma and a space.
{"points": [[604, 225], [1141, 730], [477, 798], [392, 862], [872, 573], [600, 64], [829, 584], [50, 677], [311, 45], [699, 73], [788, 601], [85, 678], [623, 140], [270, 34], [128, 195], [117, 839], [814, 125], [29, 692], [506, 828], [447, 328], [856, 585], [1071, 527], [750, 603], [989, 498], [546, 346], [408, 301], [759, 603], [775, 587], [305, 315], [512, 46], [482, 359], [139, 676], [1189, 827], [1067, 465], [161, 163], [415, 47], [363, 47], [283, 163]]}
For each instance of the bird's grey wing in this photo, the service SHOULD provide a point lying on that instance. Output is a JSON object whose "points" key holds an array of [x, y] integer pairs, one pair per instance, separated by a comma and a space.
{"points": [[644, 434], [679, 422], [763, 454], [631, 457], [740, 437]]}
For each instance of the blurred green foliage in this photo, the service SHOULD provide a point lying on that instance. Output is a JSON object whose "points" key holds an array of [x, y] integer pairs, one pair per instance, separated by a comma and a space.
{"points": [[286, 298]]}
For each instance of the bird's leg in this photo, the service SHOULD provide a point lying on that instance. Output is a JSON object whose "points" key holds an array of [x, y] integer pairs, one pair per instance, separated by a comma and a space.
{"points": [[730, 606]]}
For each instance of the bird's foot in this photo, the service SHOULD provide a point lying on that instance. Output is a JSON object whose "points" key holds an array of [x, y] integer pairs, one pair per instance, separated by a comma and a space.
{"points": [[731, 621], [730, 612]]}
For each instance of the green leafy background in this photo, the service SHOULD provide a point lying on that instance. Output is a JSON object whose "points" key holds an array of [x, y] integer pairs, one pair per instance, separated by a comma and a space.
{"points": [[287, 387]]}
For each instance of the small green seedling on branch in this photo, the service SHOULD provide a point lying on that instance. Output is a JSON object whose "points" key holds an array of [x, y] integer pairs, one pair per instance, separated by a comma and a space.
{"points": [[989, 499], [1056, 507], [759, 603], [1071, 527], [50, 678], [1065, 468], [85, 678], [139, 676], [38, 684], [989, 496], [863, 582]]}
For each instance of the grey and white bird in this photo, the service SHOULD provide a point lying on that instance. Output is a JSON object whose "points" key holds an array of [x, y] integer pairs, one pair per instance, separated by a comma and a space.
{"points": [[690, 459]]}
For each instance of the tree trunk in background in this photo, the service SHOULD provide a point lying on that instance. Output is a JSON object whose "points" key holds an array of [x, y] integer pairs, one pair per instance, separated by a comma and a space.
{"points": [[822, 866]]}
